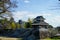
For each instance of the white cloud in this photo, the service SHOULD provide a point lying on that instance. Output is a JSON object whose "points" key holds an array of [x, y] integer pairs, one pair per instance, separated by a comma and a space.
{"points": [[24, 15], [53, 20], [26, 1], [57, 19], [19, 15]]}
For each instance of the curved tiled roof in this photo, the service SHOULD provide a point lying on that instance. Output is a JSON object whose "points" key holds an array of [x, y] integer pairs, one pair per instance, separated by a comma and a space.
{"points": [[41, 23]]}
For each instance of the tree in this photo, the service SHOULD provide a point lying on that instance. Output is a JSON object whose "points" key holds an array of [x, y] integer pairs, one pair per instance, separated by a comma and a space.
{"points": [[4, 23], [28, 24], [6, 5], [13, 25], [18, 26], [50, 26], [58, 28], [11, 19]]}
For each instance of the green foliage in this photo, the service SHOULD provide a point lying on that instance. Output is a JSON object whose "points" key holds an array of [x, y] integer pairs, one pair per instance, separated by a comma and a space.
{"points": [[6, 7], [50, 26], [13, 26], [18, 25], [9, 24], [56, 37], [58, 28], [28, 24]]}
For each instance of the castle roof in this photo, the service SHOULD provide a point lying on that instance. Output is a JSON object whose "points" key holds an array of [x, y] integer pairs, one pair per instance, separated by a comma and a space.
{"points": [[39, 18], [40, 23]]}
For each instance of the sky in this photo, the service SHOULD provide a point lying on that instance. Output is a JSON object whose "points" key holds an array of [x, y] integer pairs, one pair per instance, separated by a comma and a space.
{"points": [[49, 9]]}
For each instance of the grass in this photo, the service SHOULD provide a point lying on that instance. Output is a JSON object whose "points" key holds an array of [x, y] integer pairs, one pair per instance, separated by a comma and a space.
{"points": [[50, 39], [53, 38]]}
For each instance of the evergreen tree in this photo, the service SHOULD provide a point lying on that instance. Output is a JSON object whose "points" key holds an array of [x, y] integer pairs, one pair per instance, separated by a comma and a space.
{"points": [[28, 24]]}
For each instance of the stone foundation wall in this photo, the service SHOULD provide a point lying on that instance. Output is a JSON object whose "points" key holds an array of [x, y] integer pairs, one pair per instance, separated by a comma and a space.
{"points": [[44, 35]]}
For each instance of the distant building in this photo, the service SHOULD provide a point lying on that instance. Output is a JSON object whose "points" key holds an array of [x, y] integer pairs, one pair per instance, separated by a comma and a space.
{"points": [[21, 23]]}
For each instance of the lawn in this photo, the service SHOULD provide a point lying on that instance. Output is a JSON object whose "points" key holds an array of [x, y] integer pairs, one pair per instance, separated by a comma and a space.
{"points": [[50, 39]]}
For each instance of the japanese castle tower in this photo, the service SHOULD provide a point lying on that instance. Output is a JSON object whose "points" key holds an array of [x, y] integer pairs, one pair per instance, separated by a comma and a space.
{"points": [[39, 22]]}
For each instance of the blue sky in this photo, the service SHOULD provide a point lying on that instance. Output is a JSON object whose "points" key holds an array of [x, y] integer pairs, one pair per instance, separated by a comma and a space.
{"points": [[49, 9]]}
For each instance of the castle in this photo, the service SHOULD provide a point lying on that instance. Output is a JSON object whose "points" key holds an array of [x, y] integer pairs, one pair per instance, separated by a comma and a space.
{"points": [[39, 23]]}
